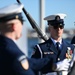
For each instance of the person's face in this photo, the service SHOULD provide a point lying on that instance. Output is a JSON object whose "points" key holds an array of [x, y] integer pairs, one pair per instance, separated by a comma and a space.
{"points": [[18, 31], [56, 31]]}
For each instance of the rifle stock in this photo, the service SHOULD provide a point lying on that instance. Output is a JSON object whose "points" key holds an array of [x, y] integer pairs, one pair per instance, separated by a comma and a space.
{"points": [[34, 24]]}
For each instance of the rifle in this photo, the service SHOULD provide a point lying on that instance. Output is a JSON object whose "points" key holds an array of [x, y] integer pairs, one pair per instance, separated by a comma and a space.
{"points": [[34, 24]]}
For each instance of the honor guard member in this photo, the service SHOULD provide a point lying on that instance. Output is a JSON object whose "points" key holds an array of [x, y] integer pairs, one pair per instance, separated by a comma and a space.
{"points": [[72, 71], [58, 50], [12, 60]]}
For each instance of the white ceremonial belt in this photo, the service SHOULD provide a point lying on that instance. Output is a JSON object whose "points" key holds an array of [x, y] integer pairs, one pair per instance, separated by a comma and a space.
{"points": [[52, 73], [57, 73]]}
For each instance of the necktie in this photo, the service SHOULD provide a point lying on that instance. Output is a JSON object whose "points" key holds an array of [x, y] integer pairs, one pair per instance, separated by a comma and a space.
{"points": [[58, 48]]}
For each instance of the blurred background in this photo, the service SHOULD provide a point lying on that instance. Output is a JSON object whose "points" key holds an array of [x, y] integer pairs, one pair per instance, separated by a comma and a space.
{"points": [[38, 9]]}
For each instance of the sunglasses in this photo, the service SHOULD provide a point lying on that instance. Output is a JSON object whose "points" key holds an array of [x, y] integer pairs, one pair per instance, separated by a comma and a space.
{"points": [[56, 27]]}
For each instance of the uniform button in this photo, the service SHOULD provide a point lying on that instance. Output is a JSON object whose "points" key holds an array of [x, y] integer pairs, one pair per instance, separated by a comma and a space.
{"points": [[58, 59]]}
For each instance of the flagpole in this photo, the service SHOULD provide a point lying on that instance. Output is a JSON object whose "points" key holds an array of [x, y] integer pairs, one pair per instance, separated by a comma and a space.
{"points": [[42, 12]]}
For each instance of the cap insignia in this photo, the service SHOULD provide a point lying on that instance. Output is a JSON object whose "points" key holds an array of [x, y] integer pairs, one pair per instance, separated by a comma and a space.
{"points": [[17, 16], [57, 18]]}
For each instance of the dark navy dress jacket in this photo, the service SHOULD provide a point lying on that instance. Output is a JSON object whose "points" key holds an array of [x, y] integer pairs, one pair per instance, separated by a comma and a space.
{"points": [[48, 50], [9, 63]]}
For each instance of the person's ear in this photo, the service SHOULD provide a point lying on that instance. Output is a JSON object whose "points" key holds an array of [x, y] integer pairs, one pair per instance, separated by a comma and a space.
{"points": [[13, 26]]}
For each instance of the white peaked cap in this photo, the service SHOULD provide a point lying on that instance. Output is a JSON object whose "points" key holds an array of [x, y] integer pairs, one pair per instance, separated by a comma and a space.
{"points": [[11, 9], [52, 17]]}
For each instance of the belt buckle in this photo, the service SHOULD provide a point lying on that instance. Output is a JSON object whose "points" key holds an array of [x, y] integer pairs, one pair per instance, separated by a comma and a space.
{"points": [[62, 73]]}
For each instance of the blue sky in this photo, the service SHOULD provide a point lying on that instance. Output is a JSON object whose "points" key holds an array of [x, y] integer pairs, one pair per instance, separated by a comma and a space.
{"points": [[51, 7]]}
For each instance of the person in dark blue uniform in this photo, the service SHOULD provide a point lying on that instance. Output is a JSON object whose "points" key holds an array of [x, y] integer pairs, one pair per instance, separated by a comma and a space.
{"points": [[12, 60], [72, 71], [57, 49]]}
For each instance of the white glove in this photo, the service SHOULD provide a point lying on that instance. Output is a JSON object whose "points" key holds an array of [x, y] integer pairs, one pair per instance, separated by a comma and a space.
{"points": [[63, 65]]}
